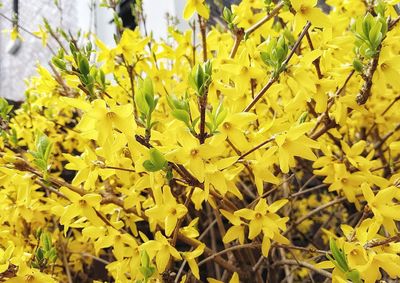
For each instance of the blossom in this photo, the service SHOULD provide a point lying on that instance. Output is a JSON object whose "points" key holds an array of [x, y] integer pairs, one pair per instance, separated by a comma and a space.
{"points": [[193, 6], [306, 11], [162, 249], [167, 210]]}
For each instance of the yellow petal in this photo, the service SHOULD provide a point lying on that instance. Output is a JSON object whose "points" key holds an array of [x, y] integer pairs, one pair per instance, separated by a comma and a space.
{"points": [[162, 259], [170, 223], [194, 267], [235, 278], [266, 245], [189, 10]]}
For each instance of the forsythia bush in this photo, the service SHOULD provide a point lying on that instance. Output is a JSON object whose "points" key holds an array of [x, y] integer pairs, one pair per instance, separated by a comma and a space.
{"points": [[263, 149]]}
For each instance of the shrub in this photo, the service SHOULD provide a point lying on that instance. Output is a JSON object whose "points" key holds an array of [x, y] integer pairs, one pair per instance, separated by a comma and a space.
{"points": [[264, 149]]}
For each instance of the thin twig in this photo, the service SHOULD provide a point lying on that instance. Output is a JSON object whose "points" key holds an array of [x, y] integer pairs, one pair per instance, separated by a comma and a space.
{"points": [[240, 34], [273, 79], [269, 16], [306, 265], [314, 211]]}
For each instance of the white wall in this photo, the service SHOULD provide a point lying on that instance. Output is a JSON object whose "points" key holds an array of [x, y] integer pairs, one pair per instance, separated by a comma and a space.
{"points": [[76, 14], [156, 20]]}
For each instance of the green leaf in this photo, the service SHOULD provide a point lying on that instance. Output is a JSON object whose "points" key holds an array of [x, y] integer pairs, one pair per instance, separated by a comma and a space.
{"points": [[338, 255], [156, 162], [52, 256], [275, 54], [39, 254], [199, 76], [83, 64], [169, 174], [42, 153], [5, 108], [303, 117], [149, 166], [380, 8], [157, 158], [227, 15], [353, 276], [59, 63], [38, 233], [141, 103], [358, 65], [375, 35], [175, 103], [144, 259], [208, 69], [181, 115], [46, 240]]}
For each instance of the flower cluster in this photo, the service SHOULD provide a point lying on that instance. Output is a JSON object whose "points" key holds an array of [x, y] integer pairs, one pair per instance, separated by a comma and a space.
{"points": [[261, 148]]}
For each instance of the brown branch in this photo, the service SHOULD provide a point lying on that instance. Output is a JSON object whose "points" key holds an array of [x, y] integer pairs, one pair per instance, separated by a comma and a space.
{"points": [[65, 262], [304, 264], [203, 30], [255, 148], [372, 244], [208, 252], [393, 23], [382, 114], [385, 138], [240, 33], [324, 117], [269, 16], [314, 211], [203, 109], [316, 62], [365, 91], [273, 79]]}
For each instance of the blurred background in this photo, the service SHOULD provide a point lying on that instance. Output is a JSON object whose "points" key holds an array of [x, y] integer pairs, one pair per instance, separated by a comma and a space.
{"points": [[19, 58]]}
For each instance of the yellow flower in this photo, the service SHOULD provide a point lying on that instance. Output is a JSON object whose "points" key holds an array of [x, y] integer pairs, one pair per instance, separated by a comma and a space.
{"points": [[167, 210], [388, 70], [5, 256], [236, 231], [100, 119], [264, 219], [81, 206], [42, 33], [262, 169], [383, 206], [294, 143], [190, 258], [191, 230], [232, 128], [105, 118], [31, 276], [346, 182], [162, 249], [131, 45], [193, 6], [192, 154], [124, 245], [88, 170], [106, 55], [306, 11]]}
